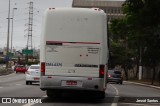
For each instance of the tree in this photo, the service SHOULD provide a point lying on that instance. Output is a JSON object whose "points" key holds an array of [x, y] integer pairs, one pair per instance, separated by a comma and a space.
{"points": [[143, 17], [121, 54], [138, 30]]}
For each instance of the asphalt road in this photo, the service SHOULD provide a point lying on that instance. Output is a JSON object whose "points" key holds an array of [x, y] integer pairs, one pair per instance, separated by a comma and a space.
{"points": [[13, 85]]}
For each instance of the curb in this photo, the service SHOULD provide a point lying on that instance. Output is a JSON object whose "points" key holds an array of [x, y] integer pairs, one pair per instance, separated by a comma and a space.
{"points": [[6, 72], [143, 84]]}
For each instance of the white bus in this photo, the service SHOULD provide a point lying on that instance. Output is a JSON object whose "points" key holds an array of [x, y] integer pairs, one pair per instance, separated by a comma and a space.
{"points": [[74, 51]]}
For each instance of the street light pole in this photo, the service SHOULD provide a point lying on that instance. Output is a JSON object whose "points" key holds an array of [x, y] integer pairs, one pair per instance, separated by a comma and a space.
{"points": [[7, 51], [12, 27]]}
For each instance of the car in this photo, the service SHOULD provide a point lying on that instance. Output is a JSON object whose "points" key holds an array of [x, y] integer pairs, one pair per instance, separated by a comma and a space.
{"points": [[115, 76], [20, 68], [33, 74]]}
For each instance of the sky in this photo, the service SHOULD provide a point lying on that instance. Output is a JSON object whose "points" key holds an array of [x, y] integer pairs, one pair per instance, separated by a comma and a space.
{"points": [[21, 20]]}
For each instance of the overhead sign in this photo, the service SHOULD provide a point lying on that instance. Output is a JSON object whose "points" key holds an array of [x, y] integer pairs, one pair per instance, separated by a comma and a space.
{"points": [[25, 51], [10, 54]]}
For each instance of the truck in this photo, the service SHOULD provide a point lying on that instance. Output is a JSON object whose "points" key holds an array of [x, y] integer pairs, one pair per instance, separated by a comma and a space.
{"points": [[74, 51]]}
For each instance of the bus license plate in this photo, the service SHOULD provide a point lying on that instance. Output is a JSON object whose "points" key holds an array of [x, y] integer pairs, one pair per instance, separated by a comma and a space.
{"points": [[71, 83], [36, 78]]}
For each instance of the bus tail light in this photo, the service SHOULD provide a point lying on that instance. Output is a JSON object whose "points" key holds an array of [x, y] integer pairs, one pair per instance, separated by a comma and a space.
{"points": [[42, 68], [101, 71]]}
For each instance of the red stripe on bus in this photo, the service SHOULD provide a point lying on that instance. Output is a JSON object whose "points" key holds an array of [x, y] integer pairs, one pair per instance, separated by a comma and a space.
{"points": [[52, 42]]}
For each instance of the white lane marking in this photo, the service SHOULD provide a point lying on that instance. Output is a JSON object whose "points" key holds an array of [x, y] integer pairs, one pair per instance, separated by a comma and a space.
{"points": [[30, 104], [45, 96], [117, 92], [115, 101]]}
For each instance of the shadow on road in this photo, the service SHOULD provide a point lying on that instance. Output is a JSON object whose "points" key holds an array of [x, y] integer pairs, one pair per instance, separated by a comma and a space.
{"points": [[71, 100], [77, 99], [34, 84], [115, 83]]}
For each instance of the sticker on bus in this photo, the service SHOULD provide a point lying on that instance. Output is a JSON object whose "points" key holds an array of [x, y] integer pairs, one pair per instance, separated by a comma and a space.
{"points": [[53, 64]]}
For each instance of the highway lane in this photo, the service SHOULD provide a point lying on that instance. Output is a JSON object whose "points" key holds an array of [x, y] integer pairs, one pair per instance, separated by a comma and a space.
{"points": [[137, 90], [129, 93], [13, 85]]}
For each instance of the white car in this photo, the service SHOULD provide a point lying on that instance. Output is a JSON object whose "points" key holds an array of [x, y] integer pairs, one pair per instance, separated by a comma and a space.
{"points": [[33, 74]]}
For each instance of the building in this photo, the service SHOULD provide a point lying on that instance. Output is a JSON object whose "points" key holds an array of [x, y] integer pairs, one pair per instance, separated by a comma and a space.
{"points": [[112, 8], [5, 51]]}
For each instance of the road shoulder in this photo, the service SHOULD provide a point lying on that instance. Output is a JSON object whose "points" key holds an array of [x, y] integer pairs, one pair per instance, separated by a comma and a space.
{"points": [[157, 87], [5, 72]]}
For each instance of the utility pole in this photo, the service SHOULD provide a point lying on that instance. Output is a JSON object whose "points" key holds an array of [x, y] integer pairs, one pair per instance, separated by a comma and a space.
{"points": [[30, 24], [12, 27], [140, 64], [7, 51]]}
